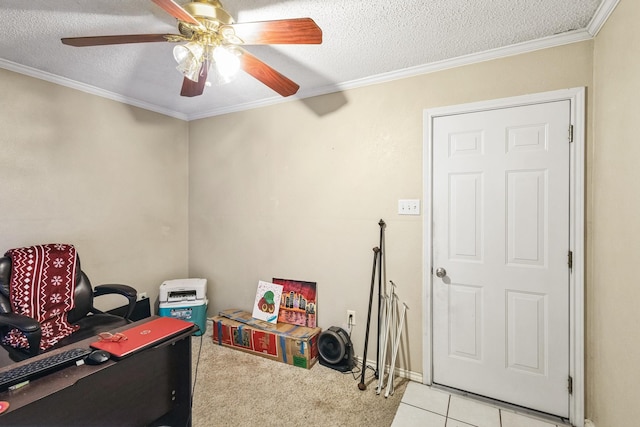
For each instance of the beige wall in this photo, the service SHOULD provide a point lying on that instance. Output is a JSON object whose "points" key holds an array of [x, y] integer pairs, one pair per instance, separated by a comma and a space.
{"points": [[614, 295], [283, 192], [107, 177]]}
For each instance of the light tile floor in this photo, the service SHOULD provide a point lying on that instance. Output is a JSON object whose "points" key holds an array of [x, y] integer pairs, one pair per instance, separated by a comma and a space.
{"points": [[423, 406]]}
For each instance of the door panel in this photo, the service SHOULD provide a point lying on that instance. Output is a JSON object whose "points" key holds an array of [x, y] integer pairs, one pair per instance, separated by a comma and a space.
{"points": [[501, 232], [526, 219], [526, 332], [465, 242], [465, 331]]}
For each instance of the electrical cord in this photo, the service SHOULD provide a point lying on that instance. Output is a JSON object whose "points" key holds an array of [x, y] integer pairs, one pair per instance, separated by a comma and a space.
{"points": [[357, 369], [350, 324], [195, 379]]}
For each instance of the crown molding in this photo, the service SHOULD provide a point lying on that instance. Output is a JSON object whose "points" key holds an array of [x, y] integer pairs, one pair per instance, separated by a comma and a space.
{"points": [[63, 81], [568, 37], [247, 106], [474, 58], [602, 14]]}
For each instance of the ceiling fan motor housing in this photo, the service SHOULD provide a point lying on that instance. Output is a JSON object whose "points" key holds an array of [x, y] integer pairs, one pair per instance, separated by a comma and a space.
{"points": [[211, 16], [335, 349], [208, 10]]}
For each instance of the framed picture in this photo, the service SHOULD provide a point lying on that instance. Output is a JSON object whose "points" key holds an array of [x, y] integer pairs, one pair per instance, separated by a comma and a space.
{"points": [[298, 303]]}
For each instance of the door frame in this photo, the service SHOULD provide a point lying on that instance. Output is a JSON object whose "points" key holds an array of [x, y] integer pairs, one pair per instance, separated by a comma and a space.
{"points": [[576, 96]]}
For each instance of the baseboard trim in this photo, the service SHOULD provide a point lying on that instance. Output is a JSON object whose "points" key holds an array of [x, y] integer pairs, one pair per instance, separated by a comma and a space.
{"points": [[589, 423], [398, 372]]}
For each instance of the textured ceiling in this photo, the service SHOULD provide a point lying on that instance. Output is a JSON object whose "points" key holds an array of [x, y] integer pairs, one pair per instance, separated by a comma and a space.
{"points": [[364, 41]]}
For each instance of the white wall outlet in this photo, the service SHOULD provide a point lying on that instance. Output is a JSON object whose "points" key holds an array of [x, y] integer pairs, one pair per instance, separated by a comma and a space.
{"points": [[142, 295], [351, 317], [409, 207]]}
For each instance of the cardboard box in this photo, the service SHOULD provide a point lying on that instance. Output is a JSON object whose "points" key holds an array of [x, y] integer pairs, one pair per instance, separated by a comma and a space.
{"points": [[291, 344]]}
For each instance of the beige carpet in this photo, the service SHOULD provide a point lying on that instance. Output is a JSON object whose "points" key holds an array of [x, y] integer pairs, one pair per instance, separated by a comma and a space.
{"points": [[234, 388]]}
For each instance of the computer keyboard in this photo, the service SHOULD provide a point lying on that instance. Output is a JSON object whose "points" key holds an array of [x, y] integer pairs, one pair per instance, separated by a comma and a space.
{"points": [[41, 367]]}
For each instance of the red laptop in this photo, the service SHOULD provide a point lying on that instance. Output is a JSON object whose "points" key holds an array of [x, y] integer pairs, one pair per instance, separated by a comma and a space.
{"points": [[139, 337]]}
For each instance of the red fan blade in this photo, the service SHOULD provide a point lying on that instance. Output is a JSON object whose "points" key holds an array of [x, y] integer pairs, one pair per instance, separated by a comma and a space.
{"points": [[191, 88], [175, 10], [284, 31], [106, 40], [267, 75]]}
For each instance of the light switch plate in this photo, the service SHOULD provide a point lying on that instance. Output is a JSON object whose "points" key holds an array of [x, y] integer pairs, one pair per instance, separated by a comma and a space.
{"points": [[409, 207]]}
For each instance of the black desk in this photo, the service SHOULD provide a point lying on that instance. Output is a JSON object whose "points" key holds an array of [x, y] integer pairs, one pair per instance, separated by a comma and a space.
{"points": [[149, 388]]}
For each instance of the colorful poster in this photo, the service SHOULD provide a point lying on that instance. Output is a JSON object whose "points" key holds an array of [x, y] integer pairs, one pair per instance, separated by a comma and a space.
{"points": [[267, 302], [298, 302]]}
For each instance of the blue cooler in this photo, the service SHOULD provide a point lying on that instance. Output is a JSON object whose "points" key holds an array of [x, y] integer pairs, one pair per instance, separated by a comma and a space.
{"points": [[185, 299]]}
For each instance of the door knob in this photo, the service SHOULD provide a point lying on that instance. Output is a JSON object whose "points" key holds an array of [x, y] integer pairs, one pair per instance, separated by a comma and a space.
{"points": [[441, 272]]}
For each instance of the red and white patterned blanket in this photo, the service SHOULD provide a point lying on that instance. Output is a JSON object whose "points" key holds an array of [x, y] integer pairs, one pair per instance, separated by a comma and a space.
{"points": [[43, 279]]}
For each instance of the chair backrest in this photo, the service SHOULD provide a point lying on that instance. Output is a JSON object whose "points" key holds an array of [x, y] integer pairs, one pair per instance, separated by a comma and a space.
{"points": [[83, 295]]}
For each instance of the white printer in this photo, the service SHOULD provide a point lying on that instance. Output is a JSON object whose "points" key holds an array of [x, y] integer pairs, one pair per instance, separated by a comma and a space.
{"points": [[185, 299]]}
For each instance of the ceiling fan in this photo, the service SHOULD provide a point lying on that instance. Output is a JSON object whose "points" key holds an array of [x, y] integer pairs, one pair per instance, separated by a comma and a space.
{"points": [[213, 44]]}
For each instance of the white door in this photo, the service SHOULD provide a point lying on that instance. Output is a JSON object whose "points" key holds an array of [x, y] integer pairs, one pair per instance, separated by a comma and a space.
{"points": [[501, 233]]}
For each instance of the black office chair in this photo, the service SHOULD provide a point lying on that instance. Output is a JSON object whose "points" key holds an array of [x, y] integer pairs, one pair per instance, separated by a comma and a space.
{"points": [[90, 320]]}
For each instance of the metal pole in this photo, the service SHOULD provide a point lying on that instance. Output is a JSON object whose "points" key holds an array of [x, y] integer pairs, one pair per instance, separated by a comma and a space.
{"points": [[382, 224], [362, 385]]}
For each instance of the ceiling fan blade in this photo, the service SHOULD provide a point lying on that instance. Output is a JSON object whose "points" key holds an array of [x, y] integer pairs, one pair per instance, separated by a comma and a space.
{"points": [[175, 10], [267, 75], [106, 40], [191, 88], [283, 31]]}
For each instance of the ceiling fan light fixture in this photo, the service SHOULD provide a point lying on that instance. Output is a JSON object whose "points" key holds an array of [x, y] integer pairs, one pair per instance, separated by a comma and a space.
{"points": [[204, 27], [189, 58], [227, 61]]}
